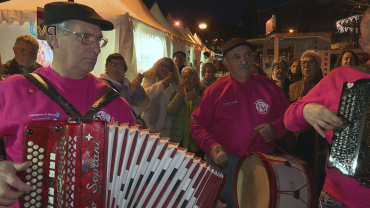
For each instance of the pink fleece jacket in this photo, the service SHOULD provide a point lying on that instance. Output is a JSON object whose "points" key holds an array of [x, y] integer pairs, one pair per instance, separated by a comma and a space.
{"points": [[327, 92], [228, 112], [21, 102]]}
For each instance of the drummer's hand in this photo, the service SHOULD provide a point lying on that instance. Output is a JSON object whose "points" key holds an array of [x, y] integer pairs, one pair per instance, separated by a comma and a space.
{"points": [[218, 155], [220, 204], [8, 178], [321, 117], [266, 131]]}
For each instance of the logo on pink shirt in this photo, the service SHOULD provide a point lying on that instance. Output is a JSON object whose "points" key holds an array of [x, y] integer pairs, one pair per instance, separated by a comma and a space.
{"points": [[262, 107]]}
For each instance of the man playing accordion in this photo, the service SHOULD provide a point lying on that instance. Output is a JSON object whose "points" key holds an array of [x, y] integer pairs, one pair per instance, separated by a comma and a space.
{"points": [[76, 44], [318, 108]]}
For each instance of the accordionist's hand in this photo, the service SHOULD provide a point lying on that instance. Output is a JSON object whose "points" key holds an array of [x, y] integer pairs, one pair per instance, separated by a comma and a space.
{"points": [[9, 178], [218, 155], [321, 117]]}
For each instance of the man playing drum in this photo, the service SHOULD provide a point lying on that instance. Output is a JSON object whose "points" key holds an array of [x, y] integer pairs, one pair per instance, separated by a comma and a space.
{"points": [[238, 113]]}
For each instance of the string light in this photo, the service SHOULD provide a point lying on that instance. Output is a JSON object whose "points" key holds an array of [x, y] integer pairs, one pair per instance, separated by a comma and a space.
{"points": [[340, 24]]}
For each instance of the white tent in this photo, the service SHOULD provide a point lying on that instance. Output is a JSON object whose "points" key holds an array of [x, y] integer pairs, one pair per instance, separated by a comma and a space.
{"points": [[137, 33]]}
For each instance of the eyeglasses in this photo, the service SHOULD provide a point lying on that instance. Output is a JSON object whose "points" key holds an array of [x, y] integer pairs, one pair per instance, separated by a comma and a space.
{"points": [[25, 52], [88, 39], [115, 64], [309, 63], [187, 78], [165, 65]]}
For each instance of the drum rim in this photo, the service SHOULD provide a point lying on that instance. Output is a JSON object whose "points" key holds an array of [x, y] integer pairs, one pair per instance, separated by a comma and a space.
{"points": [[272, 181]]}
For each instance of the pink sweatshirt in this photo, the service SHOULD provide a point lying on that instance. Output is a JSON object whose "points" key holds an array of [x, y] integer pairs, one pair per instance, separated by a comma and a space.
{"points": [[21, 102], [327, 92], [228, 112]]}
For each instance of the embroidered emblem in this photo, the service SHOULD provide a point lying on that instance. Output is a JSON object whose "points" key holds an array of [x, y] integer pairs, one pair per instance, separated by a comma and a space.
{"points": [[57, 115], [31, 90], [350, 85], [262, 107]]}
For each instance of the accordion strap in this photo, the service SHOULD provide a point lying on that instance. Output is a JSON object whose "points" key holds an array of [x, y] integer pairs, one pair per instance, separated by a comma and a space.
{"points": [[46, 87]]}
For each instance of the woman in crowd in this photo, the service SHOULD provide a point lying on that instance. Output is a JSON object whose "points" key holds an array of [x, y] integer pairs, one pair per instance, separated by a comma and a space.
{"points": [[279, 69], [209, 71], [133, 92], [183, 102], [347, 58], [159, 82], [295, 72]]}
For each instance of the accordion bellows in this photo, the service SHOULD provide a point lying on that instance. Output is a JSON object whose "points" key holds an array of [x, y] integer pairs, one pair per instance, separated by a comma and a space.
{"points": [[350, 147], [95, 164]]}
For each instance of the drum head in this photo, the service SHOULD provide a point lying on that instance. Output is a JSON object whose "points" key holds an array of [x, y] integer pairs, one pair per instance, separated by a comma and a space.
{"points": [[251, 183]]}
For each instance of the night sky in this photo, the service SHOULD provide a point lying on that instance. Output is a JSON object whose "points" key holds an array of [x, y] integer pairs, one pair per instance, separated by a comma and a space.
{"points": [[226, 10]]}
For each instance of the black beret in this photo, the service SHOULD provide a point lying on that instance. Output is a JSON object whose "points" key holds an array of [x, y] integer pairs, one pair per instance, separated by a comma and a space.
{"points": [[57, 12], [179, 52], [231, 44]]}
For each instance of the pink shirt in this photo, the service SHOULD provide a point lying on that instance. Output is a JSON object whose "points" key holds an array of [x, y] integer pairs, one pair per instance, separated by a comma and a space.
{"points": [[21, 102], [327, 92], [228, 112]]}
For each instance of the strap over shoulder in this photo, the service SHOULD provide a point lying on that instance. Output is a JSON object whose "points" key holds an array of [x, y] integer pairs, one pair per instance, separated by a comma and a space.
{"points": [[46, 87]]}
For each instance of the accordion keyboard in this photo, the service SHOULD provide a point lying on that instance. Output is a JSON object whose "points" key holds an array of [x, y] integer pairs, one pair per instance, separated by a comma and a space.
{"points": [[348, 148]]}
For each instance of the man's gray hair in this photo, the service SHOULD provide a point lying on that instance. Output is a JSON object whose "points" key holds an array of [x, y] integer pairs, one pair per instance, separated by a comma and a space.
{"points": [[312, 54], [27, 39], [60, 27]]}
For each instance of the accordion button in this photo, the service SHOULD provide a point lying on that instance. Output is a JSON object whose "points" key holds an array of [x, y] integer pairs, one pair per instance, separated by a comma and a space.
{"points": [[34, 167], [33, 201], [30, 143], [29, 170], [35, 153], [28, 177], [30, 150], [40, 170], [41, 150], [34, 174], [33, 194], [26, 204], [39, 184], [38, 204], [29, 131], [39, 177], [39, 191], [35, 160], [27, 197], [29, 157], [40, 163], [38, 198], [41, 157], [33, 180], [36, 147]]}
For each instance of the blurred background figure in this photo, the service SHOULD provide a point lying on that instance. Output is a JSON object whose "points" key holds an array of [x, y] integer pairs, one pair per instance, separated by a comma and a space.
{"points": [[207, 57], [347, 58], [295, 71], [256, 69], [159, 82], [183, 102], [223, 69], [310, 146], [25, 55], [179, 58], [133, 92], [280, 69], [256, 58], [209, 71]]}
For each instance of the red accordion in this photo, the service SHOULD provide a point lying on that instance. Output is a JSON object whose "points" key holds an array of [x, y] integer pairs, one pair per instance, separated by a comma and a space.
{"points": [[95, 164]]}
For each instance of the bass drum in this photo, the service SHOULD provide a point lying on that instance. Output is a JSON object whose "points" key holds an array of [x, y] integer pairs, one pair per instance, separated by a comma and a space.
{"points": [[269, 181]]}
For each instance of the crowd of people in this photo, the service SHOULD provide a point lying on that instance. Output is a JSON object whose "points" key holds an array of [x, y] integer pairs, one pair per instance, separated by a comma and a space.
{"points": [[218, 120]]}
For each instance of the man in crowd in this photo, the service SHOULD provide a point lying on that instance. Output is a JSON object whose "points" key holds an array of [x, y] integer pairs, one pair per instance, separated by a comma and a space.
{"points": [[235, 109], [319, 109], [76, 46], [179, 58], [25, 54]]}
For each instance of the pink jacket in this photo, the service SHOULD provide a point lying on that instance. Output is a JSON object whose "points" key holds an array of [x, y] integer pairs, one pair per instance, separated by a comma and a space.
{"points": [[228, 112], [327, 92], [21, 102]]}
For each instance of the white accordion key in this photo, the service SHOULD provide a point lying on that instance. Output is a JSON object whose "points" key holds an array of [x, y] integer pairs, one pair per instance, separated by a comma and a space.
{"points": [[52, 165], [51, 191], [51, 200], [52, 156], [52, 174]]}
